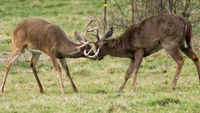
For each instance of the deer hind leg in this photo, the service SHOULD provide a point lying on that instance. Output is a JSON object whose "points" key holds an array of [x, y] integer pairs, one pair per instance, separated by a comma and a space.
{"points": [[15, 55], [178, 58], [54, 60], [128, 74], [64, 65], [192, 55], [33, 62]]}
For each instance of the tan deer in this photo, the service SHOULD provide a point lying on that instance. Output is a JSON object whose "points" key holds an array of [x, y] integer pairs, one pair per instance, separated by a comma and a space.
{"points": [[38, 36], [170, 31]]}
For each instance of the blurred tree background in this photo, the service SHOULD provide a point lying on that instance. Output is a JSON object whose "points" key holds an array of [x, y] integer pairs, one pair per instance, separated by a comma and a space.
{"points": [[121, 14], [124, 13], [71, 14]]}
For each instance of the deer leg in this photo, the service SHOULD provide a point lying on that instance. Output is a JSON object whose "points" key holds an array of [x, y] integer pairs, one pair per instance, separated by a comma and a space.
{"points": [[128, 74], [192, 55], [138, 60], [33, 62], [15, 55], [64, 65], [175, 54], [54, 60]]}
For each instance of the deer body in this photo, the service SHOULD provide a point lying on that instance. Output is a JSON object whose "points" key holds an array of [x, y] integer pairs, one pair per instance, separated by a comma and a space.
{"points": [[38, 36], [171, 32], [148, 36]]}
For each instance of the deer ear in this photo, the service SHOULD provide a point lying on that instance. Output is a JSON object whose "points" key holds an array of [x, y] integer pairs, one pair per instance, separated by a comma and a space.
{"points": [[77, 36], [109, 33]]}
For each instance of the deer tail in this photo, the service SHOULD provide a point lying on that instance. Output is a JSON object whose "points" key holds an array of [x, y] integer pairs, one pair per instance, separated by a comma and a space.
{"points": [[188, 35]]}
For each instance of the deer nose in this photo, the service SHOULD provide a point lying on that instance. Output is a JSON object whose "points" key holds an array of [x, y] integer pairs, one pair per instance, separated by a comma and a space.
{"points": [[100, 58]]}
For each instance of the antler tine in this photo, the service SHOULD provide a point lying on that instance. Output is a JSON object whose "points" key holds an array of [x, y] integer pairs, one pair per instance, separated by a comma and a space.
{"points": [[98, 35], [85, 32], [91, 20], [90, 30], [79, 47], [95, 29], [83, 45], [87, 27]]}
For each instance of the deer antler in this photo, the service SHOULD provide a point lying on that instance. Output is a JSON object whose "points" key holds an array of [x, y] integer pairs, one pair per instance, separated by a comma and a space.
{"points": [[93, 56], [88, 29], [95, 32], [95, 29], [83, 45]]}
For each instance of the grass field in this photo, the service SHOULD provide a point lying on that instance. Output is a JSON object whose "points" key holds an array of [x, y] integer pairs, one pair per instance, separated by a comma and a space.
{"points": [[97, 81]]}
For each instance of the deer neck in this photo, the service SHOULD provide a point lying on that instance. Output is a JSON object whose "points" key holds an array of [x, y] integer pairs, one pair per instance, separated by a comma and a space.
{"points": [[67, 47], [118, 48]]}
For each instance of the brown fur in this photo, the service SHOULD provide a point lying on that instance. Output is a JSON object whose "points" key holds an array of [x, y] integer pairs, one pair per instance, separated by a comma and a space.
{"points": [[38, 35], [170, 31]]}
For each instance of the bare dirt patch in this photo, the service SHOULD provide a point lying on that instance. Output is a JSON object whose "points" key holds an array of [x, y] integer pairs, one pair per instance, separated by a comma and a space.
{"points": [[4, 56]]}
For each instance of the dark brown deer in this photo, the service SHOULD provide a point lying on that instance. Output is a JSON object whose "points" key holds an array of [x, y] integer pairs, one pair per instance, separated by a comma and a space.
{"points": [[38, 36], [170, 31]]}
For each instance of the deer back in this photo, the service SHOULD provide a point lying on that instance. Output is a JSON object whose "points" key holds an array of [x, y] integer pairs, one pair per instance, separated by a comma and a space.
{"points": [[149, 35], [40, 35]]}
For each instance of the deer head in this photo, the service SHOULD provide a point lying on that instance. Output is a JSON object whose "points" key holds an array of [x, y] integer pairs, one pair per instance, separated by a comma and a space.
{"points": [[105, 45], [101, 43], [84, 49]]}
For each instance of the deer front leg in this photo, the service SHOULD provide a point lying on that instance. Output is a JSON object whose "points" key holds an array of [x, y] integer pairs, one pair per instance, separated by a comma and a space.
{"points": [[54, 60], [64, 65], [128, 74], [138, 60]]}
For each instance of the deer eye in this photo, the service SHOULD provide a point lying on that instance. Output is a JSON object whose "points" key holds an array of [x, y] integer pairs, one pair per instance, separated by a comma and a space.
{"points": [[105, 43]]}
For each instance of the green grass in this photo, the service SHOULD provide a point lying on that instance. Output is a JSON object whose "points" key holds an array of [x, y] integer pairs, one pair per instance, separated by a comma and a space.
{"points": [[97, 81], [98, 88], [68, 14]]}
